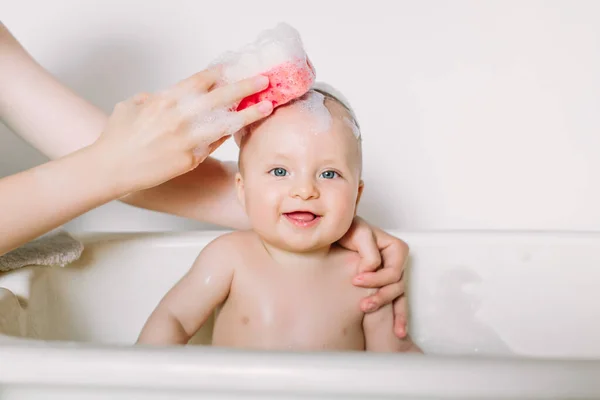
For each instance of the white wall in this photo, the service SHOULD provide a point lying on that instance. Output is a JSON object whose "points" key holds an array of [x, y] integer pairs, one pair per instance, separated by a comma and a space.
{"points": [[475, 114]]}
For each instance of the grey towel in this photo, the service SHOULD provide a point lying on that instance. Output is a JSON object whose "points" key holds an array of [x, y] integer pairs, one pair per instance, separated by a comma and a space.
{"points": [[54, 248]]}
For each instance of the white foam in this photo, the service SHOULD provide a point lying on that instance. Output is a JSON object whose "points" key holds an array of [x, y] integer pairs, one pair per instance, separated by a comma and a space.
{"points": [[313, 103], [353, 122], [224, 120], [271, 48], [209, 121], [350, 123]]}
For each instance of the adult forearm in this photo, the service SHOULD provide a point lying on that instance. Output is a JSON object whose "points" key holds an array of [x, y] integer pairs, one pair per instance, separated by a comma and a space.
{"points": [[205, 194], [39, 108], [38, 200]]}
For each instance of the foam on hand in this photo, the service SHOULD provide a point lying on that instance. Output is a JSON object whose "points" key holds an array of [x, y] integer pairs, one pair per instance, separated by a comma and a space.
{"points": [[217, 120], [277, 53], [208, 121]]}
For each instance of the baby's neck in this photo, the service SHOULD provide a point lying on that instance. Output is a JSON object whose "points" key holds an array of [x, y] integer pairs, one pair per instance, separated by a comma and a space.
{"points": [[313, 258]]}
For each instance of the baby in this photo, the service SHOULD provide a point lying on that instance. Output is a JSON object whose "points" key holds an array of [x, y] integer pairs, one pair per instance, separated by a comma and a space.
{"points": [[285, 284]]}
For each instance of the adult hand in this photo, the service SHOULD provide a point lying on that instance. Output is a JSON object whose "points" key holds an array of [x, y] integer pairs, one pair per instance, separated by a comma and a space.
{"points": [[379, 249], [155, 137]]}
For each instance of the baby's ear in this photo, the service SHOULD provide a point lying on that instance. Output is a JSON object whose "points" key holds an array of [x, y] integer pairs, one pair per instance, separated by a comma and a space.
{"points": [[361, 186], [239, 185]]}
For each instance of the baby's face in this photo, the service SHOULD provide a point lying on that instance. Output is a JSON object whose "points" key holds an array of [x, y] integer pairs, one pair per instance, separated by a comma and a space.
{"points": [[299, 178]]}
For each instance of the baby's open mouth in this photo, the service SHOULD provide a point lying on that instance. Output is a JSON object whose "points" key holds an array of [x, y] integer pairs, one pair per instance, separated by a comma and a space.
{"points": [[302, 218]]}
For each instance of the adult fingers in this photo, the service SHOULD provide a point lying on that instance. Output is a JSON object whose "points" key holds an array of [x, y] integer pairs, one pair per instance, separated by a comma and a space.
{"points": [[140, 98], [200, 82], [401, 317], [385, 295], [394, 253], [256, 112], [209, 129], [227, 95], [360, 238], [378, 279]]}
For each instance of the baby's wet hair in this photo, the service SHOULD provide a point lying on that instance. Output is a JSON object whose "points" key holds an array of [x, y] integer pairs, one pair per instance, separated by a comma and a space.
{"points": [[334, 95]]}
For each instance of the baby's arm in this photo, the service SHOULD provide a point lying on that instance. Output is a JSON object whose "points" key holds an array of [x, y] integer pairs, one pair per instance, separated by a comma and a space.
{"points": [[378, 328], [183, 310]]}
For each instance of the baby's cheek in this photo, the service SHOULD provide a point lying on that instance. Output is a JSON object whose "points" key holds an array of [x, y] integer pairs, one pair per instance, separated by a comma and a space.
{"points": [[263, 201], [342, 203], [342, 221]]}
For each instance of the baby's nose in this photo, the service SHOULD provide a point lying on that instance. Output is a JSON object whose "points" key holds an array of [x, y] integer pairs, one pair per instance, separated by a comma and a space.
{"points": [[305, 189]]}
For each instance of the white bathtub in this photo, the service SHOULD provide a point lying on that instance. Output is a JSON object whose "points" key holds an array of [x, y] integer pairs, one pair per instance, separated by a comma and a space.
{"points": [[500, 315]]}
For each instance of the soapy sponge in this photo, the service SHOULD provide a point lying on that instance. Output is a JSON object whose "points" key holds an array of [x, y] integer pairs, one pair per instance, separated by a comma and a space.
{"points": [[277, 53]]}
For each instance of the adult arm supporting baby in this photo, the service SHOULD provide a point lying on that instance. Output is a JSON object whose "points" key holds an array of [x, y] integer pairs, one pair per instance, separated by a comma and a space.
{"points": [[187, 306], [379, 336]]}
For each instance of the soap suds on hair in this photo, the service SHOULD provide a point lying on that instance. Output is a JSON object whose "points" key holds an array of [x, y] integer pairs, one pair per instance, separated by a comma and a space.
{"points": [[313, 103], [353, 127], [335, 95]]}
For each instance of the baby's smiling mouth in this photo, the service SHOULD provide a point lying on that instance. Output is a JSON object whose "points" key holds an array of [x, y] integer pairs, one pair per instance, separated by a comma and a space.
{"points": [[302, 219]]}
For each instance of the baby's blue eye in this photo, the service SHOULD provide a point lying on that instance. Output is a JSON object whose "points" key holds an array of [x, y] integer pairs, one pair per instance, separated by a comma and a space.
{"points": [[278, 171], [329, 174]]}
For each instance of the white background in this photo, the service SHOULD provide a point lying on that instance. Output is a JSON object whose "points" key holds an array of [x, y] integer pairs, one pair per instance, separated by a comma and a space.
{"points": [[475, 114]]}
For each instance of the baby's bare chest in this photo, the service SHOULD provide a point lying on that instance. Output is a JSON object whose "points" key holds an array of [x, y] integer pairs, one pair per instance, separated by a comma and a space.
{"points": [[284, 308]]}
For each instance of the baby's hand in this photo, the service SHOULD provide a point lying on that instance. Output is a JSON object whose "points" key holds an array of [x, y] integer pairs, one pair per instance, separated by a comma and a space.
{"points": [[373, 245]]}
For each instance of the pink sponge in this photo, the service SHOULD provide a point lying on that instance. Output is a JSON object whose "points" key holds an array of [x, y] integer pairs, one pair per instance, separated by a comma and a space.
{"points": [[287, 81], [277, 53]]}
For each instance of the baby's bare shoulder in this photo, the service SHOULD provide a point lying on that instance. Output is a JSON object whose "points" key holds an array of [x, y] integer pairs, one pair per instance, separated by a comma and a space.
{"points": [[347, 259], [346, 264], [235, 238], [231, 246]]}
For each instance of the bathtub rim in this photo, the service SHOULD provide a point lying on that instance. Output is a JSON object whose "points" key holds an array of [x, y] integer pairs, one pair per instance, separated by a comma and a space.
{"points": [[212, 369]]}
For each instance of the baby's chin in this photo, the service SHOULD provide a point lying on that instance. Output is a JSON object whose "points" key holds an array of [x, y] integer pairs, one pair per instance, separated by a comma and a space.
{"points": [[302, 242], [302, 245]]}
